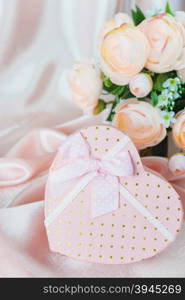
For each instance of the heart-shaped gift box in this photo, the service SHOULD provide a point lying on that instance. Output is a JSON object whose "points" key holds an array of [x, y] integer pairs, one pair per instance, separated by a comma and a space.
{"points": [[102, 206]]}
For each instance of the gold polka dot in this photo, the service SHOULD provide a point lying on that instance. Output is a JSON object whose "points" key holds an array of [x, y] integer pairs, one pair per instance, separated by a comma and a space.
{"points": [[106, 150], [155, 228], [167, 219], [136, 195], [79, 244], [111, 246], [101, 245], [69, 222], [85, 137], [90, 233], [145, 227], [111, 257], [101, 234], [133, 248], [144, 249], [158, 186], [123, 225], [179, 209], [132, 258], [144, 238], [91, 223], [81, 201], [102, 224], [168, 197], [148, 174], [157, 207], [169, 187], [138, 163], [113, 215], [69, 243], [96, 138], [178, 230], [122, 247], [79, 254], [81, 223], [90, 245], [107, 139], [146, 206], [137, 173], [134, 226], [168, 208], [147, 185], [80, 233], [122, 236], [100, 256], [133, 237], [125, 204], [135, 216], [154, 250], [71, 211], [113, 225], [96, 149], [97, 127], [118, 140], [126, 183], [178, 220], [166, 240], [155, 239], [157, 196], [112, 235], [121, 257], [107, 128], [90, 255], [137, 183], [157, 218]]}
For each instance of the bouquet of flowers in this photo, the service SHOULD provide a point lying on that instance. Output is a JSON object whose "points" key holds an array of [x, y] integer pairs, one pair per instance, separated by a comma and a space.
{"points": [[139, 76]]}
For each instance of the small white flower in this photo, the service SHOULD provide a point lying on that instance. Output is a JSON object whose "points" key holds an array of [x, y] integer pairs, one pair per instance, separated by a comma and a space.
{"points": [[164, 98], [176, 95], [168, 118], [172, 84]]}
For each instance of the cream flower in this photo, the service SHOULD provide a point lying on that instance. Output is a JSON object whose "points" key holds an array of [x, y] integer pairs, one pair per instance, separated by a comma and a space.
{"points": [[141, 121], [166, 39], [178, 130], [176, 164], [123, 52], [86, 85], [141, 85]]}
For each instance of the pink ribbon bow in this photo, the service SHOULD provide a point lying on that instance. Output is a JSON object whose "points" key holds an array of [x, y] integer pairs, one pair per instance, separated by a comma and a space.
{"points": [[79, 163]]}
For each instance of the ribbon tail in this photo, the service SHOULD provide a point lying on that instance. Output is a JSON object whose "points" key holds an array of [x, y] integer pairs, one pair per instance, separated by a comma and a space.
{"points": [[104, 195]]}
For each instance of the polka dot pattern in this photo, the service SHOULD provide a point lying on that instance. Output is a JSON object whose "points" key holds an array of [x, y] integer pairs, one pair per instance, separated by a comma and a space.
{"points": [[123, 236]]}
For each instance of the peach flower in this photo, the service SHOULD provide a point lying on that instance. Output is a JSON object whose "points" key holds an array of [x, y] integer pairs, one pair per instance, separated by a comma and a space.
{"points": [[141, 121], [116, 22], [166, 39], [141, 85], [86, 85], [123, 52], [176, 164], [178, 130], [180, 18]]}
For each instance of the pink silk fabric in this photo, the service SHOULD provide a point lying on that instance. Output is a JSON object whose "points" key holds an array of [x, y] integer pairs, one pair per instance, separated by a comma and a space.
{"points": [[40, 40]]}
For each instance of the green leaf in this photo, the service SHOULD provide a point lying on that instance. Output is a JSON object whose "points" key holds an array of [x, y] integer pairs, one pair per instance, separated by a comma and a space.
{"points": [[107, 82], [168, 9], [154, 98], [100, 107], [159, 80], [137, 15], [118, 90]]}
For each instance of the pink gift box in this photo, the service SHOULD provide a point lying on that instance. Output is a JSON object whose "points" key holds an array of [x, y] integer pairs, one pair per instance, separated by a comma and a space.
{"points": [[102, 206]]}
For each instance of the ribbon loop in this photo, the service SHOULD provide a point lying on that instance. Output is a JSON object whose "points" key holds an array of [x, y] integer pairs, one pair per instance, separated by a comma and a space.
{"points": [[79, 161]]}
